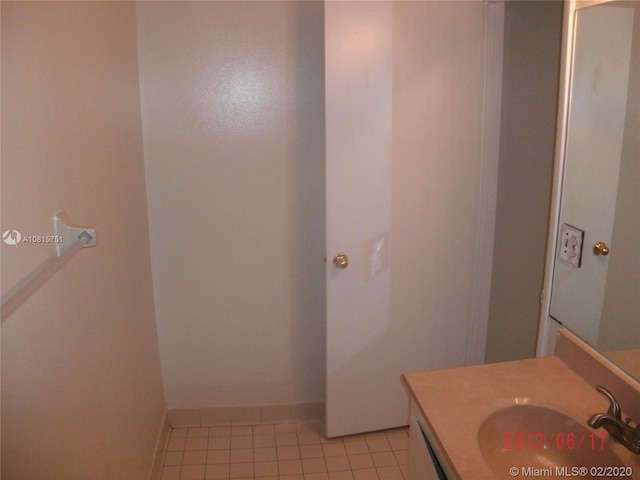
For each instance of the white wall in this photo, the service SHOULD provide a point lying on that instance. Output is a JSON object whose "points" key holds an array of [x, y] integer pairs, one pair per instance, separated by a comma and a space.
{"points": [[81, 386], [232, 107], [444, 175], [532, 39]]}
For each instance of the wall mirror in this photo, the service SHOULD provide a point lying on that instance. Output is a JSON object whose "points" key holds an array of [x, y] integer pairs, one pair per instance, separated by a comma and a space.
{"points": [[596, 272]]}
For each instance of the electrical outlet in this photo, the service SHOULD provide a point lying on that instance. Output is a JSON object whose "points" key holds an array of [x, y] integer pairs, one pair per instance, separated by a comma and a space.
{"points": [[571, 239]]}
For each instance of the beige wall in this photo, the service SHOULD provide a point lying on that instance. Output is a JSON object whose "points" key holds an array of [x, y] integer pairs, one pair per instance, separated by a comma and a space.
{"points": [[81, 387], [232, 108], [530, 82]]}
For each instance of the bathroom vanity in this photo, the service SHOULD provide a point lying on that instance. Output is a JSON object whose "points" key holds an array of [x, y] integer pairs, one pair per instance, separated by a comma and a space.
{"points": [[574, 413], [521, 419]]}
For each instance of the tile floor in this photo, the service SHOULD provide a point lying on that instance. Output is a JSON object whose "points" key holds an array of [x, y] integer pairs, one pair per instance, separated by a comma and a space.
{"points": [[283, 452]]}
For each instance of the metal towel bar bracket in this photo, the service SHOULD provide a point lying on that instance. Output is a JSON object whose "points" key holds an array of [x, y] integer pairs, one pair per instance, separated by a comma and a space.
{"points": [[62, 227], [73, 239]]}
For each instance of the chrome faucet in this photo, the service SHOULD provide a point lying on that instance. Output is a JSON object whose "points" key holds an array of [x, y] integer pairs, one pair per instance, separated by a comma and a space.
{"points": [[612, 422]]}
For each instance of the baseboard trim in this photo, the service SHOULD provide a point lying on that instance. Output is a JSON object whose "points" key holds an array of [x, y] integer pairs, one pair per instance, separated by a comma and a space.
{"points": [[245, 414]]}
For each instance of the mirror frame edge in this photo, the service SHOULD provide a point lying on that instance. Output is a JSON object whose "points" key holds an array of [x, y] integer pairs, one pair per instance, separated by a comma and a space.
{"points": [[547, 326]]}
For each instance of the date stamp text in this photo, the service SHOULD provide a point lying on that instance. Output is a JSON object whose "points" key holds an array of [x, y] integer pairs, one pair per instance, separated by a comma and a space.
{"points": [[558, 440]]}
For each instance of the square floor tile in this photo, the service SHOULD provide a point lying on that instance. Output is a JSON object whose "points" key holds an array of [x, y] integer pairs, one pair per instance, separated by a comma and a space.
{"points": [[288, 452], [313, 465], [264, 469], [341, 475], [316, 476], [365, 474], [378, 444], [359, 446], [192, 472], [220, 431], [334, 449], [335, 464], [217, 471], [286, 439], [384, 459], [241, 455], [289, 467], [360, 461], [219, 456], [194, 457], [196, 443], [173, 458], [219, 443], [198, 432], [389, 473], [311, 451], [241, 470], [293, 451], [241, 441], [176, 443], [264, 441], [171, 473]]}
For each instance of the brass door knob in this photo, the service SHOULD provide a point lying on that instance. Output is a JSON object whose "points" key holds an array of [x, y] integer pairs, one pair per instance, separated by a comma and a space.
{"points": [[600, 248], [341, 260]]}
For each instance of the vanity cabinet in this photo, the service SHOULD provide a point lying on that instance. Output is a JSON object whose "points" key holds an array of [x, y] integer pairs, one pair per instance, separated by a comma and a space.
{"points": [[424, 462]]}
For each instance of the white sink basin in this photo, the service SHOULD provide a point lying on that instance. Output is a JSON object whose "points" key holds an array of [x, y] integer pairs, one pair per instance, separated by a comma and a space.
{"points": [[525, 436]]}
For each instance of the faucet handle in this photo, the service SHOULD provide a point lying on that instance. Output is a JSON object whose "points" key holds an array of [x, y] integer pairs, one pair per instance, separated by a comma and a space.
{"points": [[614, 407]]}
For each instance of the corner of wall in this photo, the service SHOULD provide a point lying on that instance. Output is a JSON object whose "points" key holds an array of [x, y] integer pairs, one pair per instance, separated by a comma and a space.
{"points": [[161, 446]]}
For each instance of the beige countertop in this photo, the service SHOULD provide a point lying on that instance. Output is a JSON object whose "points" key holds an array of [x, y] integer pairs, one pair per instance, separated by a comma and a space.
{"points": [[627, 359], [454, 403]]}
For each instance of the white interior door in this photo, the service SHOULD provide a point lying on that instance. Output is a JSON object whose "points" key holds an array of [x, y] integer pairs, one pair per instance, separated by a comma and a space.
{"points": [[358, 151], [403, 175]]}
